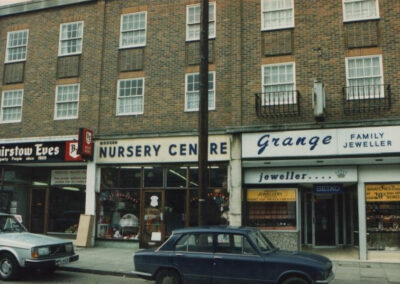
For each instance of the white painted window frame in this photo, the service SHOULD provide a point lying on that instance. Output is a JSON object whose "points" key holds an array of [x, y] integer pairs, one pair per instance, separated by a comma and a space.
{"points": [[214, 30], [2, 106], [263, 28], [56, 103], [118, 97], [186, 92], [8, 47], [68, 39], [121, 46], [382, 90], [345, 19], [263, 83]]}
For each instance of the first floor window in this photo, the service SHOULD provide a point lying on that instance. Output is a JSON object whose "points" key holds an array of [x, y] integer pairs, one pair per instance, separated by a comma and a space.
{"points": [[279, 84], [17, 43], [71, 38], [364, 77], [130, 96], [67, 101], [277, 14], [192, 94], [11, 106], [193, 21], [354, 10]]}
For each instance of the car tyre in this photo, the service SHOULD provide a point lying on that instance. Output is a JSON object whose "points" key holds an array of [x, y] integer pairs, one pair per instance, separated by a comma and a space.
{"points": [[9, 267], [168, 276], [295, 280]]}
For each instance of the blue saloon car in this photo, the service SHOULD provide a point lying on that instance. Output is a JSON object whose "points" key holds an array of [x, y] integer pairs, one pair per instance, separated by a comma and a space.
{"points": [[228, 255]]}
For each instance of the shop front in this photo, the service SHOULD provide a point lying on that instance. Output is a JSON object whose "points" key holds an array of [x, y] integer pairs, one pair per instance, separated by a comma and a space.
{"points": [[44, 183], [149, 187], [321, 189]]}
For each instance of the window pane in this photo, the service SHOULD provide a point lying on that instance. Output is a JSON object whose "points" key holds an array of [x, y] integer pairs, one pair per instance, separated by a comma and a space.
{"points": [[153, 177], [176, 177], [130, 178]]}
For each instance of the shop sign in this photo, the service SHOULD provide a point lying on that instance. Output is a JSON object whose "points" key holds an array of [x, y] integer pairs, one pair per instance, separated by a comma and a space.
{"points": [[68, 177], [323, 142], [161, 150], [36, 152], [300, 175], [328, 188], [271, 195], [382, 192], [85, 147]]}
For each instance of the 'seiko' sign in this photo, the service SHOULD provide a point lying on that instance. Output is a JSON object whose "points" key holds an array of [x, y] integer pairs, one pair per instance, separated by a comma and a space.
{"points": [[382, 192], [271, 195]]}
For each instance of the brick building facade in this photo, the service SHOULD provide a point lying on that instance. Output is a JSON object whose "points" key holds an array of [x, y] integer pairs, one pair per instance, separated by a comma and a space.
{"points": [[127, 70]]}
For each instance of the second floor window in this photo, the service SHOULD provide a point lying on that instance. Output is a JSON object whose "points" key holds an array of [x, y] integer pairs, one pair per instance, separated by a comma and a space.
{"points": [[71, 38], [192, 94], [133, 30], [355, 10], [278, 84], [364, 77], [67, 101], [277, 14], [130, 96], [17, 43], [193, 13], [11, 106]]}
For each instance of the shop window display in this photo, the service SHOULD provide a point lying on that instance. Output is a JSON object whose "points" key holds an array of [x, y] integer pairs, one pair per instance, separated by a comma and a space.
{"points": [[383, 216], [119, 214], [272, 209]]}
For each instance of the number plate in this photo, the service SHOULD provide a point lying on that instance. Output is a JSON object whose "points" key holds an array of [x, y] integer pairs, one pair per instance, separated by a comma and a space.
{"points": [[62, 261]]}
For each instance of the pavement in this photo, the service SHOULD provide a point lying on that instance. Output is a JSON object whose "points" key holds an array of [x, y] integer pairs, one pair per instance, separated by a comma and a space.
{"points": [[118, 262]]}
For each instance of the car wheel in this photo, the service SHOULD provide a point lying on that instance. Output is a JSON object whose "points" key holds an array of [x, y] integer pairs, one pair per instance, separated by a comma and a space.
{"points": [[9, 267], [295, 280], [167, 277]]}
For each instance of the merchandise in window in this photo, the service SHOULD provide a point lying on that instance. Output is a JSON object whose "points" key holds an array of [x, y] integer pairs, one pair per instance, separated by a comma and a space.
{"points": [[193, 21], [71, 38], [355, 10], [272, 209], [11, 106], [17, 43], [277, 14], [133, 30], [119, 213]]}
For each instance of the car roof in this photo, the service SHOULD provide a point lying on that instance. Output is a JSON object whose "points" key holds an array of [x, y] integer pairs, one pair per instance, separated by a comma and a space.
{"points": [[214, 229]]}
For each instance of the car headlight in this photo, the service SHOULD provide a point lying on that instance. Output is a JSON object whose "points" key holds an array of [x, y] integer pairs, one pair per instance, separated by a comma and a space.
{"points": [[69, 248], [42, 251]]}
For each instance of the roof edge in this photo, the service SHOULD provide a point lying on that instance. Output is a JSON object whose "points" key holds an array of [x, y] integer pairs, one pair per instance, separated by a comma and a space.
{"points": [[36, 5]]}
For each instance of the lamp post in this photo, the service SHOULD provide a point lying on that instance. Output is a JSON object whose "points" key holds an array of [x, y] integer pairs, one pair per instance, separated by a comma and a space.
{"points": [[203, 112]]}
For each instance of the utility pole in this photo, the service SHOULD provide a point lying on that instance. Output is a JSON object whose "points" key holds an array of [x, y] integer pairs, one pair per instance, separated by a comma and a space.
{"points": [[203, 112]]}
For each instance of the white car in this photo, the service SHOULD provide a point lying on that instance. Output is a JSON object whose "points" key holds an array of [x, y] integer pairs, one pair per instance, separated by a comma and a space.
{"points": [[20, 249]]}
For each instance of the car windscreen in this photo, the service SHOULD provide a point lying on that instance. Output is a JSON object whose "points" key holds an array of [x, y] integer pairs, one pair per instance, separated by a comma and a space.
{"points": [[8, 224], [261, 241]]}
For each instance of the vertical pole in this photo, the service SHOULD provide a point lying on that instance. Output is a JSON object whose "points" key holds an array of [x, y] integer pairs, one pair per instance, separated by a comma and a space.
{"points": [[203, 111]]}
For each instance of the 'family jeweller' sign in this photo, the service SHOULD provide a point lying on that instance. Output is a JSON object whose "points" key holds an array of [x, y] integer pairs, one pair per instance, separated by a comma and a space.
{"points": [[322, 142], [159, 150]]}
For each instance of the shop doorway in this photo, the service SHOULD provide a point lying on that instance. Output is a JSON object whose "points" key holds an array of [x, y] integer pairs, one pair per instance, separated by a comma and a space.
{"points": [[324, 220], [38, 210], [153, 229]]}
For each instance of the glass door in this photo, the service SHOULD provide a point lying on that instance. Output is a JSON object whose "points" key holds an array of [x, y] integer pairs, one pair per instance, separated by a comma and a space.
{"points": [[153, 230], [38, 209], [324, 220]]}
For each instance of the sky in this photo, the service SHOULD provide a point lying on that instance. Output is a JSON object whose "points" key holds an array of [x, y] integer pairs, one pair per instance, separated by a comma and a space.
{"points": [[8, 2]]}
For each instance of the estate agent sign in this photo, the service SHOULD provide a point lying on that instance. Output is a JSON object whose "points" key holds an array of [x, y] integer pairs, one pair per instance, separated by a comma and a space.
{"points": [[323, 142]]}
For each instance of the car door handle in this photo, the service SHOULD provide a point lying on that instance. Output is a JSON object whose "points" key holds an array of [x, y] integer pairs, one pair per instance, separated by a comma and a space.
{"points": [[217, 257], [179, 254]]}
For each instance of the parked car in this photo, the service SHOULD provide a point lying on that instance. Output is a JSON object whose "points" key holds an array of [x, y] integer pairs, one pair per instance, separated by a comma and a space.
{"points": [[20, 249], [228, 255]]}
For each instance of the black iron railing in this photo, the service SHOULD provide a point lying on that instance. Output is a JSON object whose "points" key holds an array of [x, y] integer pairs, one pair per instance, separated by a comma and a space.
{"points": [[357, 99], [278, 104]]}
